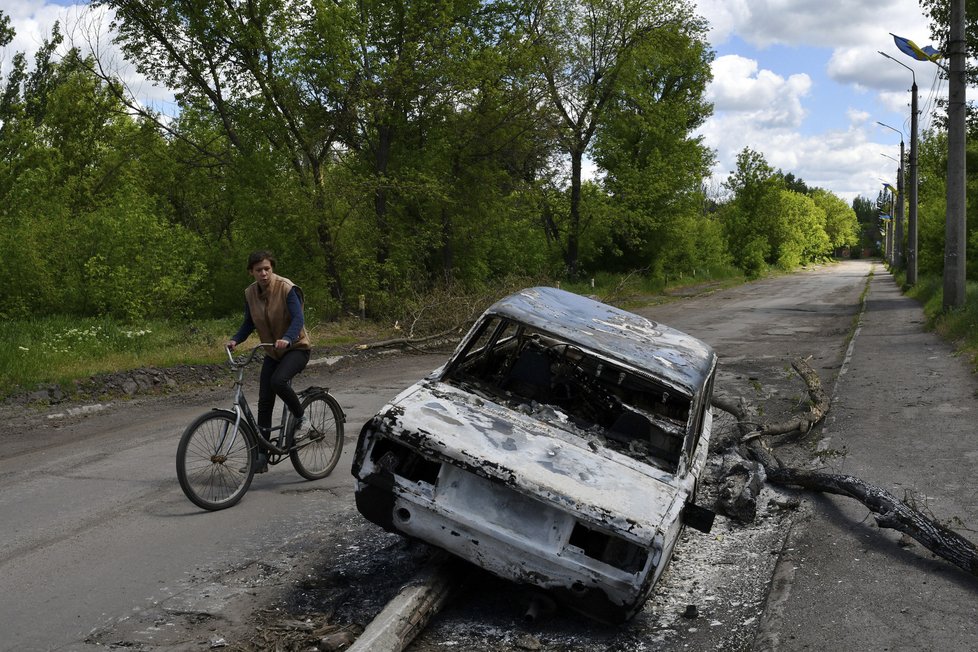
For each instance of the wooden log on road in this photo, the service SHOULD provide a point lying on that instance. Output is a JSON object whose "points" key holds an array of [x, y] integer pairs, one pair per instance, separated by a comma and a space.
{"points": [[409, 612]]}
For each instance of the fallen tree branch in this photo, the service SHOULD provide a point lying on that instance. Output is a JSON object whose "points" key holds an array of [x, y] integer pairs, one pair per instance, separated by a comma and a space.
{"points": [[410, 341], [818, 407], [889, 512]]}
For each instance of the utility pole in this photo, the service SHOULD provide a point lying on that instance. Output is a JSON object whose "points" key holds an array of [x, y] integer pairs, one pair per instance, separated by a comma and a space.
{"points": [[912, 222], [897, 260], [911, 257], [888, 240], [955, 233], [898, 214], [889, 231]]}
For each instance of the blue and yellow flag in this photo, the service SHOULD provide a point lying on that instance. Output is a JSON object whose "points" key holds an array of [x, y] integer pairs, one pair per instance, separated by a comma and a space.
{"points": [[890, 188], [911, 49]]}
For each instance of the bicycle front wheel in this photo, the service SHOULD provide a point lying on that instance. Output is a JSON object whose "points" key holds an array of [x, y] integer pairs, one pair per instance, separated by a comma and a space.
{"points": [[318, 446], [215, 463]]}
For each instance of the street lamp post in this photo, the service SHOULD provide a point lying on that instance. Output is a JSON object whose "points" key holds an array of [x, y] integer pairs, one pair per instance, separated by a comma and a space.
{"points": [[897, 260], [912, 218], [955, 231], [891, 221], [887, 216]]}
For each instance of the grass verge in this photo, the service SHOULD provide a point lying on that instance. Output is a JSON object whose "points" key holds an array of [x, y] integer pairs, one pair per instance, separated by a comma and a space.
{"points": [[959, 326], [61, 350]]}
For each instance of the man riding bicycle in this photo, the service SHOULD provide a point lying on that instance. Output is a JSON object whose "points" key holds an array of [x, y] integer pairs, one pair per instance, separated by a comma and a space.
{"points": [[273, 307]]}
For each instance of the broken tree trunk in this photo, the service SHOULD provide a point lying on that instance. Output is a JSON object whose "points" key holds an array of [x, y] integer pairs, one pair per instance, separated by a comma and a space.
{"points": [[888, 511]]}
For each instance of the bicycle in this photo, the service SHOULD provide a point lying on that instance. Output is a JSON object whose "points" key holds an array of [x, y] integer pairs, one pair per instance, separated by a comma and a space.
{"points": [[217, 452]]}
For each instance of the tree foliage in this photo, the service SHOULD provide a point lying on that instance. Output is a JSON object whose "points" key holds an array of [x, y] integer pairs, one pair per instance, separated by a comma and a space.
{"points": [[767, 224], [381, 148], [78, 219], [593, 58]]}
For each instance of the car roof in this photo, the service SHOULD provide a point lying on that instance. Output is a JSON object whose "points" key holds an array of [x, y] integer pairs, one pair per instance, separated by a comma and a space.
{"points": [[662, 351]]}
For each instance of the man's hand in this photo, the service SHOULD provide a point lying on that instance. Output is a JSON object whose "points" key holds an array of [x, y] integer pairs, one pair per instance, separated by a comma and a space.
{"points": [[282, 344], [230, 345]]}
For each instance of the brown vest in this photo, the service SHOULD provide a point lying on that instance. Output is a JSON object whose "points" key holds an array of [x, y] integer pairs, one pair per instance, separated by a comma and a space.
{"points": [[270, 312]]}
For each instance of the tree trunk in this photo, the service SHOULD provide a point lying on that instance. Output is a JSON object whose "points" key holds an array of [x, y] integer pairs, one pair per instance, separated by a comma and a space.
{"points": [[888, 511], [381, 162], [574, 228]]}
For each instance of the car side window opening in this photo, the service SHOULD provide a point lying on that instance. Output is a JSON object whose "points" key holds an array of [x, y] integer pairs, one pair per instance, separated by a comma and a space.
{"points": [[606, 403]]}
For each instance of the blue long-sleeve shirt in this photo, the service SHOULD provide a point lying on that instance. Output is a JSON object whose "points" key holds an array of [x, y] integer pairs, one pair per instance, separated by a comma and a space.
{"points": [[295, 327]]}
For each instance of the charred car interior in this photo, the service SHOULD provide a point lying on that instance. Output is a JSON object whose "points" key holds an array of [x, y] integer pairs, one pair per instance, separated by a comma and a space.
{"points": [[607, 404], [560, 446]]}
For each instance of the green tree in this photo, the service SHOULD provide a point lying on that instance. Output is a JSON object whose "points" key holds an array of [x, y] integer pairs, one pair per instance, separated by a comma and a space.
{"points": [[372, 126], [74, 205], [586, 52], [867, 216], [932, 205], [841, 223], [750, 218], [798, 235], [270, 75], [654, 164], [445, 129]]}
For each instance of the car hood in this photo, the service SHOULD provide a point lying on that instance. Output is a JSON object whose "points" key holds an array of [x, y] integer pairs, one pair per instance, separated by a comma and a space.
{"points": [[550, 463]]}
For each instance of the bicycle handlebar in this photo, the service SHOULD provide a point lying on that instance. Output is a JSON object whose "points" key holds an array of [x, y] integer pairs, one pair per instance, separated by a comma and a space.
{"points": [[248, 358]]}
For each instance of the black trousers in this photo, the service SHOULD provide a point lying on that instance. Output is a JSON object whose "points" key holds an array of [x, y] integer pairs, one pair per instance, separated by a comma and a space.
{"points": [[275, 381]]}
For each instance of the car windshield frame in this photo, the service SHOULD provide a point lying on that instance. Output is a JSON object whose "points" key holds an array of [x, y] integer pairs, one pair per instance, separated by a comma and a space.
{"points": [[603, 400]]}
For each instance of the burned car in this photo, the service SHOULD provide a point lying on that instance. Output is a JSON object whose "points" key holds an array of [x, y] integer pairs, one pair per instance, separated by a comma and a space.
{"points": [[560, 447]]}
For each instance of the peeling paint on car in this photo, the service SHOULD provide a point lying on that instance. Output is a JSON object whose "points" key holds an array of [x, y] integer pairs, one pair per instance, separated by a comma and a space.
{"points": [[559, 447]]}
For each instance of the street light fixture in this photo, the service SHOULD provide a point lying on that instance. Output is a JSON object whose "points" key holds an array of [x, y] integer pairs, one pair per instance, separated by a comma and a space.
{"points": [[912, 218], [898, 212], [887, 218]]}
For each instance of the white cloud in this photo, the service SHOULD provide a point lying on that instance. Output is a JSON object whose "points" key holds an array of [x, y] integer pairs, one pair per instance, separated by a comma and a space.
{"points": [[757, 108], [828, 23], [766, 98], [84, 28], [725, 16], [846, 161]]}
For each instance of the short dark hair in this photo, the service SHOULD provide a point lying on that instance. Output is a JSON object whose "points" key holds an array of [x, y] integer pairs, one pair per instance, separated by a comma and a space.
{"points": [[257, 256]]}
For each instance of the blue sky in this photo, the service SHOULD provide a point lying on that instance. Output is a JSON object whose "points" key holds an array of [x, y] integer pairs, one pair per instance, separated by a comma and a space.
{"points": [[803, 83], [800, 81]]}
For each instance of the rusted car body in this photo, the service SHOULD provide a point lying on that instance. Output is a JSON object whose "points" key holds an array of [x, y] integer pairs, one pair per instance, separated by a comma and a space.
{"points": [[560, 447]]}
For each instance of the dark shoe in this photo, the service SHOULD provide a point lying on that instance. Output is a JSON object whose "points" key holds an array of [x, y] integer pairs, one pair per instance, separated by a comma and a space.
{"points": [[260, 464], [299, 426]]}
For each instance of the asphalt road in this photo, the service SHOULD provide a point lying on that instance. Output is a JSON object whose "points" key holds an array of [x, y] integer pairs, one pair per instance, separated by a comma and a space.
{"points": [[100, 548], [97, 532]]}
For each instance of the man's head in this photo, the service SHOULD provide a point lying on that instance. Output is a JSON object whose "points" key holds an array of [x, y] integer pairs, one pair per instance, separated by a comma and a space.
{"points": [[261, 265], [257, 256]]}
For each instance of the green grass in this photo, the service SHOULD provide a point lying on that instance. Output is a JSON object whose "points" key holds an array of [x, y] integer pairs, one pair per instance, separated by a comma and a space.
{"points": [[61, 350], [959, 326], [633, 290]]}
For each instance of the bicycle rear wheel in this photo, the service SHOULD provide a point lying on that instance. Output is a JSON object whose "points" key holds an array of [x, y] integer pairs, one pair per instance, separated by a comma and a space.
{"points": [[318, 447], [214, 471]]}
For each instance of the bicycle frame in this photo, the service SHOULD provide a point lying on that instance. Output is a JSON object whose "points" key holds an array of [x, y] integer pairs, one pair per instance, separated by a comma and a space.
{"points": [[242, 409], [220, 451]]}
